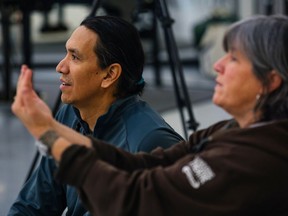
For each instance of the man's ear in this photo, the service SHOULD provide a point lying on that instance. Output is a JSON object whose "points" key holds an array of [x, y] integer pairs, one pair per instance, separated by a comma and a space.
{"points": [[113, 73], [275, 81]]}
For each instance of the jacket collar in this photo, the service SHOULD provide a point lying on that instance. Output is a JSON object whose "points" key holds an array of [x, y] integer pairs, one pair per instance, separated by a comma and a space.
{"points": [[114, 110]]}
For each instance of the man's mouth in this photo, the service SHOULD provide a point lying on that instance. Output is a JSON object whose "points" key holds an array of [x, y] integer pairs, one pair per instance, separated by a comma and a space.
{"points": [[65, 84]]}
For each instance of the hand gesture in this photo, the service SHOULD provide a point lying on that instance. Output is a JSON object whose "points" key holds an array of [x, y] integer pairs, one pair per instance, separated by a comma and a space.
{"points": [[28, 107]]}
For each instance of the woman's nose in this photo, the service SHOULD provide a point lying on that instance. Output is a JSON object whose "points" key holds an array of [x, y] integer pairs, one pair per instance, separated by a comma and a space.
{"points": [[219, 65]]}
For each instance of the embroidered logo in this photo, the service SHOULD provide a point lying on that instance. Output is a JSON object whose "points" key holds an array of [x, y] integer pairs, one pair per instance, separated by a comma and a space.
{"points": [[198, 172]]}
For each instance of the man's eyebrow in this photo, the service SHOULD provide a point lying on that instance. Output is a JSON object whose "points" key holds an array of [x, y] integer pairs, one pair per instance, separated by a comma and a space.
{"points": [[72, 50], [75, 52]]}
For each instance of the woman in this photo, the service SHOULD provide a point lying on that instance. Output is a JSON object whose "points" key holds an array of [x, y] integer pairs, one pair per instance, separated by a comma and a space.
{"points": [[236, 167]]}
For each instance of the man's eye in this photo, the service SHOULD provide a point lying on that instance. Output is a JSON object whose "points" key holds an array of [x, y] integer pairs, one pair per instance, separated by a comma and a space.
{"points": [[74, 57]]}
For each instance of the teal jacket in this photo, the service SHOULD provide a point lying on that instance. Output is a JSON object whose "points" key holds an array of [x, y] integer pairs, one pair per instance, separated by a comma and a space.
{"points": [[130, 124]]}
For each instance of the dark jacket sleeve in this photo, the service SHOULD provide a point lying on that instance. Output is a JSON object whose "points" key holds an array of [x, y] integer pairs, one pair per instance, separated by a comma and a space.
{"points": [[41, 194], [94, 176], [161, 190], [140, 184], [83, 159]]}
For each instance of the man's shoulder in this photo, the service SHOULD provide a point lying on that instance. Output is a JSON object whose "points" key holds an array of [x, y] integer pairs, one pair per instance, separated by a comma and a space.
{"points": [[143, 115], [146, 129]]}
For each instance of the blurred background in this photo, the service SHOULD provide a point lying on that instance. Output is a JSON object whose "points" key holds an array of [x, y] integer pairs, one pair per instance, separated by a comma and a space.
{"points": [[34, 32]]}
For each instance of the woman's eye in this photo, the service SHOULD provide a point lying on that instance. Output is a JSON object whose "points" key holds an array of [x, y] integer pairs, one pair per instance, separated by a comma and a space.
{"points": [[233, 58]]}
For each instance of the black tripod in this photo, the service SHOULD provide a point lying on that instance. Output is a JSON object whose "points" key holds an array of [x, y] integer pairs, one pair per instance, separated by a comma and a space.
{"points": [[182, 97], [180, 88]]}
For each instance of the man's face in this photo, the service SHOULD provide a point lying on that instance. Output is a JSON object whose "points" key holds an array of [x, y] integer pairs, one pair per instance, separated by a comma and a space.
{"points": [[81, 75]]}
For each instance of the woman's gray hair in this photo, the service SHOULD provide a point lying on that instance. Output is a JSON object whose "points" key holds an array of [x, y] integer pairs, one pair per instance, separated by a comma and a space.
{"points": [[264, 40]]}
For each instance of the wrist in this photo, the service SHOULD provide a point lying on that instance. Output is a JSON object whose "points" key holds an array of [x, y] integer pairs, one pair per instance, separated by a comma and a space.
{"points": [[37, 133], [41, 130], [59, 147], [47, 139]]}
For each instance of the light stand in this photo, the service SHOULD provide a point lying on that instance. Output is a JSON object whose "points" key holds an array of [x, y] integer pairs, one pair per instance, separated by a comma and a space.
{"points": [[180, 88]]}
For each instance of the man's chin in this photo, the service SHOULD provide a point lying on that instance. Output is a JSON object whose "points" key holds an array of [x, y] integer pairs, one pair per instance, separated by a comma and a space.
{"points": [[65, 100]]}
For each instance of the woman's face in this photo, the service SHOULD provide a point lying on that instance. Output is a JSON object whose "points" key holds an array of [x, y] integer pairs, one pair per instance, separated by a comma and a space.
{"points": [[236, 86]]}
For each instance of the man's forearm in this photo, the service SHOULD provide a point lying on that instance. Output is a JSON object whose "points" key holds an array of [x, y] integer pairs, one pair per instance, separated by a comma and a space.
{"points": [[56, 138], [70, 134]]}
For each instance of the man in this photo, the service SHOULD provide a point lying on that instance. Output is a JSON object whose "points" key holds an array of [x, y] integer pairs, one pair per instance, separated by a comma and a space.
{"points": [[101, 80]]}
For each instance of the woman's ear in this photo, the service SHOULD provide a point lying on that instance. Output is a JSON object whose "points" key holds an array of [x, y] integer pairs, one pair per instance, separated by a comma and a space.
{"points": [[275, 81], [113, 73]]}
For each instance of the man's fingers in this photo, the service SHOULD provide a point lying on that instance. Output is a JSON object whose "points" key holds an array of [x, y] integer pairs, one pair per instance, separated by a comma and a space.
{"points": [[24, 88], [25, 78], [24, 104], [20, 78]]}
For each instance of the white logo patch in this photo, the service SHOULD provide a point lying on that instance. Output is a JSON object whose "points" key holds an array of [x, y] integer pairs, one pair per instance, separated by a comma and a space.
{"points": [[198, 172]]}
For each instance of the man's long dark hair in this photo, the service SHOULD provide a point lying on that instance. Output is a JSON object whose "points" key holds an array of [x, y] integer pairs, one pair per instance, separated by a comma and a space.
{"points": [[119, 43]]}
